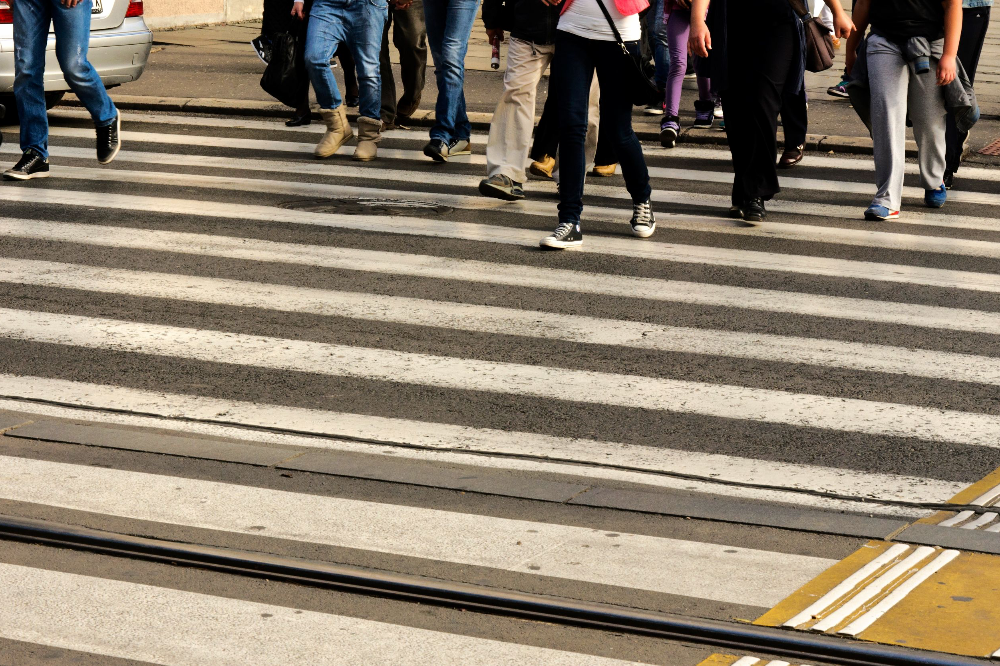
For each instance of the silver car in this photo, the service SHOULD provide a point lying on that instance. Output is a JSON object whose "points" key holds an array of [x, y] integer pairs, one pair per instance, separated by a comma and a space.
{"points": [[119, 48]]}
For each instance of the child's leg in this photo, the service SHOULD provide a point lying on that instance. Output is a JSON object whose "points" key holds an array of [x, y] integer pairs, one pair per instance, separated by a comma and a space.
{"points": [[678, 29], [927, 112], [888, 76]]}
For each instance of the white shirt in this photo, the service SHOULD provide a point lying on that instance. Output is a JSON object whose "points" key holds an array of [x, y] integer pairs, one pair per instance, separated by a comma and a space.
{"points": [[584, 18]]}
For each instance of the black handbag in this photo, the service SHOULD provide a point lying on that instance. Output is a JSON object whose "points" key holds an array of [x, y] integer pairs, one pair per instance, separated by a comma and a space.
{"points": [[819, 47], [638, 79], [285, 77]]}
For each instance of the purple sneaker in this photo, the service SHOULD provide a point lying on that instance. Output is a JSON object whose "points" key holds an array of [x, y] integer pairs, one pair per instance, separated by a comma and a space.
{"points": [[669, 129], [704, 114]]}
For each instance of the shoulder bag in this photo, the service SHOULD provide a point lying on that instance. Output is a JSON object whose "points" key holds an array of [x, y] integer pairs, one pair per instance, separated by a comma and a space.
{"points": [[638, 82], [819, 48]]}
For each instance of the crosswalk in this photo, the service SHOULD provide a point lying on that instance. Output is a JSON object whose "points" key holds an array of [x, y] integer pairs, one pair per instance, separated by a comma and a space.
{"points": [[218, 287]]}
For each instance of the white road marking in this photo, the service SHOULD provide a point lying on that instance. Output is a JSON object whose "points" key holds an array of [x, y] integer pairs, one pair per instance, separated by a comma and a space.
{"points": [[629, 391], [867, 619], [764, 229], [984, 519], [669, 566], [179, 628], [473, 446], [768, 300], [746, 661], [959, 517], [847, 585], [901, 570], [396, 176], [988, 498], [623, 247], [508, 321], [791, 183]]}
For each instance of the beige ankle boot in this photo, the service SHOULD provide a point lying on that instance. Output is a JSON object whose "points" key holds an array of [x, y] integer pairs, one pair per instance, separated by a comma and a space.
{"points": [[338, 131], [369, 134]]}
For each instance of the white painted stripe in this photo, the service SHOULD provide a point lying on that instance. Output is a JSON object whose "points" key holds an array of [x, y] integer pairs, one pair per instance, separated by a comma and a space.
{"points": [[847, 585], [899, 594], [984, 519], [508, 321], [629, 391], [665, 565], [471, 446], [988, 498], [720, 154], [630, 247], [776, 662], [746, 661], [165, 626], [683, 174], [873, 589], [957, 518], [717, 225], [250, 249], [395, 177], [993, 528]]}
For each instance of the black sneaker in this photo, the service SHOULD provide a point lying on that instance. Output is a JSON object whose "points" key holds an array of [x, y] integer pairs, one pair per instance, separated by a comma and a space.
{"points": [[31, 165], [263, 48], [643, 224], [949, 180], [501, 187], [437, 150], [755, 211], [109, 141], [566, 236]]}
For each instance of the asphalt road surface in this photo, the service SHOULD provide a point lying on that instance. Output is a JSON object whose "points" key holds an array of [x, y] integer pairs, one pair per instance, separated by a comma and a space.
{"points": [[220, 340]]}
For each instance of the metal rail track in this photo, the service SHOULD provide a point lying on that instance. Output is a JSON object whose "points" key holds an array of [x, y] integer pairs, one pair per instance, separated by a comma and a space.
{"points": [[742, 638]]}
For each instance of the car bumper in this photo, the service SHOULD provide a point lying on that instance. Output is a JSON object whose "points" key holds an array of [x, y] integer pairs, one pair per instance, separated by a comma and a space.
{"points": [[118, 55]]}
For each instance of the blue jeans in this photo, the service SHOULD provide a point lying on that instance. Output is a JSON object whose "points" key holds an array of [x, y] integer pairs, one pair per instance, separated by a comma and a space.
{"points": [[573, 68], [658, 39], [449, 24], [72, 30], [358, 24]]}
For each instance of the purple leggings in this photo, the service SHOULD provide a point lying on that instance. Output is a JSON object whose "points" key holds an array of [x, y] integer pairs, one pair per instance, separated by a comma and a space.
{"points": [[678, 30]]}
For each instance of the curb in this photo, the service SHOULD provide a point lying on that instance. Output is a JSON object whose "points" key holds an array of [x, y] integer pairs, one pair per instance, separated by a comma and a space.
{"points": [[480, 121]]}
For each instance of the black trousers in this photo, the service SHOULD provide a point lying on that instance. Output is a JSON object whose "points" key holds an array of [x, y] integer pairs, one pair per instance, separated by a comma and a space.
{"points": [[794, 118], [975, 23], [546, 140], [752, 100], [409, 36]]}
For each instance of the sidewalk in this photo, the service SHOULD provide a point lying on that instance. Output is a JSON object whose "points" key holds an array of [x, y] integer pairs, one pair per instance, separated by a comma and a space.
{"points": [[212, 69]]}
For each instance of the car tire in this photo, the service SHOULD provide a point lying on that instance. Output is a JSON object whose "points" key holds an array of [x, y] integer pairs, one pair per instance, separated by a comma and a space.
{"points": [[53, 98]]}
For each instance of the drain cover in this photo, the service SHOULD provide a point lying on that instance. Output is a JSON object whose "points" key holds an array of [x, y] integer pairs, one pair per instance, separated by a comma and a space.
{"points": [[992, 149], [369, 206]]}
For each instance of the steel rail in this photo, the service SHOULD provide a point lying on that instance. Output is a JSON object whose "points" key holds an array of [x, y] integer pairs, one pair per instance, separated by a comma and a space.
{"points": [[744, 638]]}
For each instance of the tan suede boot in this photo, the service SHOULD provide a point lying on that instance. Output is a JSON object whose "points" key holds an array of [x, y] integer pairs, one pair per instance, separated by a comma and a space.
{"points": [[338, 131], [369, 134]]}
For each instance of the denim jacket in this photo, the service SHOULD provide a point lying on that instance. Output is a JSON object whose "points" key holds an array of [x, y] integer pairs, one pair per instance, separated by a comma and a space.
{"points": [[975, 4]]}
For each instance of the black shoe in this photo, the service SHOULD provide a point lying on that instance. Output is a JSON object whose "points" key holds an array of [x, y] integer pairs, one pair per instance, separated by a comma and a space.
{"points": [[643, 223], [755, 211], [109, 141], [737, 211], [352, 102], [501, 187], [949, 179], [566, 236], [31, 165], [299, 121], [437, 150]]}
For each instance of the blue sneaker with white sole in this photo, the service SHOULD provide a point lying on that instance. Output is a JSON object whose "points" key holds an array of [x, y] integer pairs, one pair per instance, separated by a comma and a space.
{"points": [[936, 198], [876, 213]]}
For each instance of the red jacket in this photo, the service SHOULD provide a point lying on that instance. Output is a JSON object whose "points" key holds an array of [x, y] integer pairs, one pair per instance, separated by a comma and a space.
{"points": [[626, 7]]}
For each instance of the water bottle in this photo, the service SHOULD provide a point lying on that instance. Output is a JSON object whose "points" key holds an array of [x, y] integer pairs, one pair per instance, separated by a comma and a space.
{"points": [[495, 59]]}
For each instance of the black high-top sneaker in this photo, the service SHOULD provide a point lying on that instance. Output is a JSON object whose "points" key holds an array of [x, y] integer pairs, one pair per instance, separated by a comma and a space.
{"points": [[643, 223], [109, 140], [31, 165], [566, 236]]}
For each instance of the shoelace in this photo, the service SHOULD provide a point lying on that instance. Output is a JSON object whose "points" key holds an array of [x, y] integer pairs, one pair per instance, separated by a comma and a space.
{"points": [[563, 229], [641, 213]]}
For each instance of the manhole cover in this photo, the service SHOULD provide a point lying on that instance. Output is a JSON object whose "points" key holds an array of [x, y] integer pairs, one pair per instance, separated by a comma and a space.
{"points": [[369, 206], [992, 149]]}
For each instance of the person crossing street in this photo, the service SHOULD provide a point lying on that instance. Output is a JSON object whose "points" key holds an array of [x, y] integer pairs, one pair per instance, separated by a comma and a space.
{"points": [[70, 21]]}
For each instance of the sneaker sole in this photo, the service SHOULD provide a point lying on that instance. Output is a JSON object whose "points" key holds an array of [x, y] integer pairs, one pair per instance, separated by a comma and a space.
{"points": [[668, 139], [560, 245], [542, 173], [109, 160], [871, 217], [494, 192], [838, 95], [440, 158], [649, 112], [30, 176], [643, 233], [702, 126]]}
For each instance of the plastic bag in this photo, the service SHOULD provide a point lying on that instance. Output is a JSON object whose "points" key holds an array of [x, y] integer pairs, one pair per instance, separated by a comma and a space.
{"points": [[286, 78]]}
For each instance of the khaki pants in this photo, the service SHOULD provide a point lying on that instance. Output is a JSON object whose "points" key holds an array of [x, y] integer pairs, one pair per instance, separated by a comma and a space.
{"points": [[514, 118]]}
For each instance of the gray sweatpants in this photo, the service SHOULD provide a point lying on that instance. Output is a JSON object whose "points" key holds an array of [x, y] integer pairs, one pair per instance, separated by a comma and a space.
{"points": [[898, 93]]}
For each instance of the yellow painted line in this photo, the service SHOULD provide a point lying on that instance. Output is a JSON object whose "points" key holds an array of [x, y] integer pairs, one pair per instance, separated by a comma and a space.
{"points": [[985, 492], [720, 660], [733, 660]]}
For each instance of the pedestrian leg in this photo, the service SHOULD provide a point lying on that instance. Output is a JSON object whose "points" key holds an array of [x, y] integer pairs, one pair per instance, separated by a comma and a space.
{"points": [[926, 110], [367, 26], [449, 24], [975, 23], [888, 77], [388, 112], [323, 38], [31, 31], [409, 35], [795, 122]]}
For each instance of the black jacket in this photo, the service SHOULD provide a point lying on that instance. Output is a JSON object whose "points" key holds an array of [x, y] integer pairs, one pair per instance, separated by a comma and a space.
{"points": [[530, 20]]}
